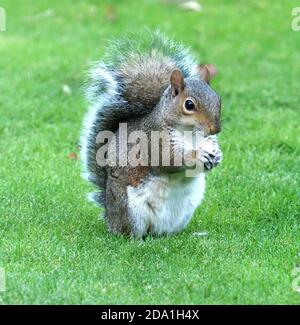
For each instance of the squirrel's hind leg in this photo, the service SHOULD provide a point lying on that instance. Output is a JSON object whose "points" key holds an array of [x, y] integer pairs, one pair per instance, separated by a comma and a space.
{"points": [[116, 214]]}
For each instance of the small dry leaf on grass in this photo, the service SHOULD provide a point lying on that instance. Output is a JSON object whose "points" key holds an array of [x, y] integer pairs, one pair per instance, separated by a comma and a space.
{"points": [[72, 155], [110, 13], [66, 90]]}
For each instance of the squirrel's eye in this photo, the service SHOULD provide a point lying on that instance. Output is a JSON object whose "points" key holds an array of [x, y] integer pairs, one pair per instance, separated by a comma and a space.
{"points": [[189, 105]]}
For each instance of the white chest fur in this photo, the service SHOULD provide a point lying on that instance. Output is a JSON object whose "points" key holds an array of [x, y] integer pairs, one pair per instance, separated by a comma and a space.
{"points": [[164, 204]]}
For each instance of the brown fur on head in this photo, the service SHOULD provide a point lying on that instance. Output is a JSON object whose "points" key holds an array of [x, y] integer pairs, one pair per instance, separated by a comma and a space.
{"points": [[196, 102]]}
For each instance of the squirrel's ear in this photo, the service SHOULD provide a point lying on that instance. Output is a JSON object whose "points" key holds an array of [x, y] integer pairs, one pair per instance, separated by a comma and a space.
{"points": [[177, 82], [207, 71]]}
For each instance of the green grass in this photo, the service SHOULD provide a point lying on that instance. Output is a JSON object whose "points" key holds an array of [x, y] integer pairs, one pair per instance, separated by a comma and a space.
{"points": [[53, 245]]}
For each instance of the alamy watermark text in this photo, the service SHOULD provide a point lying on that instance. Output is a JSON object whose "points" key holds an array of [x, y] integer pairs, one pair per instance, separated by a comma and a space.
{"points": [[296, 20]]}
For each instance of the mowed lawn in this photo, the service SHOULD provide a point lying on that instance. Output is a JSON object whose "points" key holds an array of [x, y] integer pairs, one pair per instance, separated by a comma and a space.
{"points": [[53, 245]]}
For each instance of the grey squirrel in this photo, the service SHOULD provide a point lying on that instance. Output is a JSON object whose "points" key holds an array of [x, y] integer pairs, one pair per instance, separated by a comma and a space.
{"points": [[150, 84]]}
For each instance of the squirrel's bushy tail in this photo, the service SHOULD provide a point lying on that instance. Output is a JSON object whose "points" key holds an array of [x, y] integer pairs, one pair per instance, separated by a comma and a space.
{"points": [[128, 82], [139, 69]]}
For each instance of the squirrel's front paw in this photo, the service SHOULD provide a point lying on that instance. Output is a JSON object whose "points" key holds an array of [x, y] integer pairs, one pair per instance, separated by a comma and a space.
{"points": [[211, 154], [211, 159]]}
